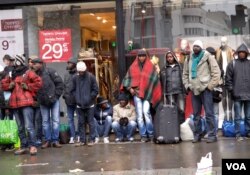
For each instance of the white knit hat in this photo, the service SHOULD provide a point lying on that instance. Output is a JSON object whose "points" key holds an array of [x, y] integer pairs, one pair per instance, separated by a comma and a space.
{"points": [[198, 43], [81, 66]]}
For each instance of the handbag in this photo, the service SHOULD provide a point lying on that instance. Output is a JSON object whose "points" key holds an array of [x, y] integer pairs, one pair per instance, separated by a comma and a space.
{"points": [[204, 167], [8, 131]]}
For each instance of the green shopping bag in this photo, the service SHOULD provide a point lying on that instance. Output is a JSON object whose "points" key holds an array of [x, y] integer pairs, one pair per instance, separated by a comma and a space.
{"points": [[64, 133], [8, 131]]}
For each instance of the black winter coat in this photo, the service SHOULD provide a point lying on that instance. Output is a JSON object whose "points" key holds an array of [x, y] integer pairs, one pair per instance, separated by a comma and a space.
{"points": [[68, 85], [85, 90], [100, 115], [52, 87], [173, 78]]}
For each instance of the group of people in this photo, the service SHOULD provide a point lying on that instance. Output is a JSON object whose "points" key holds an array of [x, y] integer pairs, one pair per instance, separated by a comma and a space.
{"points": [[36, 89]]}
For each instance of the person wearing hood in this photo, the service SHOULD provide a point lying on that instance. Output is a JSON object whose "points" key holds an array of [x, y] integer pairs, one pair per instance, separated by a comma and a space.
{"points": [[23, 84], [238, 83], [201, 74], [171, 82], [69, 97]]}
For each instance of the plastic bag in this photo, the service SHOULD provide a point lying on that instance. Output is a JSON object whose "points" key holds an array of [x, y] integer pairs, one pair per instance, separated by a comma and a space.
{"points": [[205, 166], [8, 131], [186, 131]]}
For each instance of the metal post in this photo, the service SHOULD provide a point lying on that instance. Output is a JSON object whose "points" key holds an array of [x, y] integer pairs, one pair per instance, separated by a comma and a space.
{"points": [[120, 39]]}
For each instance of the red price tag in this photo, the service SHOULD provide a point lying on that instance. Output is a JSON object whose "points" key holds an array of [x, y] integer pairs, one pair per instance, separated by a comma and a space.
{"points": [[55, 45]]}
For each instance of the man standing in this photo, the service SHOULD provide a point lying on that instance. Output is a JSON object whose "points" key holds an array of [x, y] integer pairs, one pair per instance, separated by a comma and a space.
{"points": [[48, 97], [201, 74], [143, 84], [171, 78], [224, 55], [69, 97], [85, 90], [23, 84], [238, 83]]}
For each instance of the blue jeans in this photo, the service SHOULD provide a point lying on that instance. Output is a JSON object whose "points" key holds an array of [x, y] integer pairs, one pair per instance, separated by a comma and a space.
{"points": [[86, 116], [142, 108], [205, 98], [38, 123], [70, 113], [237, 115], [124, 131], [25, 121], [103, 130], [51, 121]]}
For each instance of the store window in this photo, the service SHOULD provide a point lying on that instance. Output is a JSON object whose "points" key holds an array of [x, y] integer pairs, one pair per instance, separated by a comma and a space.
{"points": [[58, 32]]}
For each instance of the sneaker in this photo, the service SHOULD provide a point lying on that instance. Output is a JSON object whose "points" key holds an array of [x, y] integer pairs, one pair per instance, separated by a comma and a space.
{"points": [[71, 141], [78, 139], [33, 150], [131, 139], [106, 140], [239, 138], [21, 151], [144, 139], [117, 140], [38, 142], [211, 140], [196, 139], [79, 144], [91, 143], [97, 139]]}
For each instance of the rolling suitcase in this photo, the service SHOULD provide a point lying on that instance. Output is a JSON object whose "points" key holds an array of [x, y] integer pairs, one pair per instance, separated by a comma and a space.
{"points": [[166, 123]]}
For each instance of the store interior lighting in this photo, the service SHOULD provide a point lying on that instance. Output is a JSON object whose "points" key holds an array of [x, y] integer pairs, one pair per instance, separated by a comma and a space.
{"points": [[143, 8]]}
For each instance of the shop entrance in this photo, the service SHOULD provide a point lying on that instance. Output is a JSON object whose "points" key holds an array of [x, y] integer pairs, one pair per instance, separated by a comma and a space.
{"points": [[98, 44]]}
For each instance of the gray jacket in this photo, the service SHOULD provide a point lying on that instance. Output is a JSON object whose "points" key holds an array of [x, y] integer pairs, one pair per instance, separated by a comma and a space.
{"points": [[208, 74]]}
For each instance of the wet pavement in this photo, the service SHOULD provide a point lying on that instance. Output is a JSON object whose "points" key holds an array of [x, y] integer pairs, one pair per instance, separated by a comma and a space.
{"points": [[124, 158]]}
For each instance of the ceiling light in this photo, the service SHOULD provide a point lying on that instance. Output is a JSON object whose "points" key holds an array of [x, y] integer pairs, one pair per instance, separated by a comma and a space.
{"points": [[114, 27], [98, 18], [104, 21], [92, 14]]}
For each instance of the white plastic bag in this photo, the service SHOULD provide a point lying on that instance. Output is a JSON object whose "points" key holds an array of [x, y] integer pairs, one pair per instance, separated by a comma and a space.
{"points": [[204, 167], [186, 131]]}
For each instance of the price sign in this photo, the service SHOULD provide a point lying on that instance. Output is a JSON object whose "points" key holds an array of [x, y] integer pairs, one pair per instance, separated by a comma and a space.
{"points": [[11, 33], [55, 45]]}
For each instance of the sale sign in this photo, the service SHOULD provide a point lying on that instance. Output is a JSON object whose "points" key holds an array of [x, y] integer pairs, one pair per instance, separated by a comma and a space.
{"points": [[11, 33], [55, 45]]}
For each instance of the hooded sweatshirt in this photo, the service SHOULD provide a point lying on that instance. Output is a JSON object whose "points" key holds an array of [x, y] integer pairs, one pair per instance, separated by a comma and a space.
{"points": [[238, 76]]}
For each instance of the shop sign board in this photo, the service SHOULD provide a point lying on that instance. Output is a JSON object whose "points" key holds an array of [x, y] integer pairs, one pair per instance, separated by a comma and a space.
{"points": [[11, 33], [55, 45]]}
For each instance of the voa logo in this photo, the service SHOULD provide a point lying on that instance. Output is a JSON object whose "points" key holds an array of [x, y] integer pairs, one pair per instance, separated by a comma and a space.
{"points": [[236, 166]]}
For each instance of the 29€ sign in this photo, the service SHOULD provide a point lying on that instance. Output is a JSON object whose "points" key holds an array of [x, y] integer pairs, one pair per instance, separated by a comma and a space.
{"points": [[55, 45]]}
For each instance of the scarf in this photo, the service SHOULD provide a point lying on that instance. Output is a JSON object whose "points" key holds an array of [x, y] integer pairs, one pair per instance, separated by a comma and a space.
{"points": [[195, 61], [146, 79]]}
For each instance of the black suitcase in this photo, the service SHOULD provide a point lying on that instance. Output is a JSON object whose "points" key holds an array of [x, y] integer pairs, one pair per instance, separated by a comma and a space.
{"points": [[167, 124]]}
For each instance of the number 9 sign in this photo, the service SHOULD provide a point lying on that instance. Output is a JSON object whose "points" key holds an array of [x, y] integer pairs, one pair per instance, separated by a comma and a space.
{"points": [[55, 45]]}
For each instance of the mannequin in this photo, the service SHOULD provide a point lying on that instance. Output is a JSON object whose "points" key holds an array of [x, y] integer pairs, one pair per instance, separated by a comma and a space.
{"points": [[224, 55]]}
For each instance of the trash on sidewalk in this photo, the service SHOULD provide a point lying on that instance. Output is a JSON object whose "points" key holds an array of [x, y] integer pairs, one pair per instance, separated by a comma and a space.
{"points": [[204, 167], [76, 170]]}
